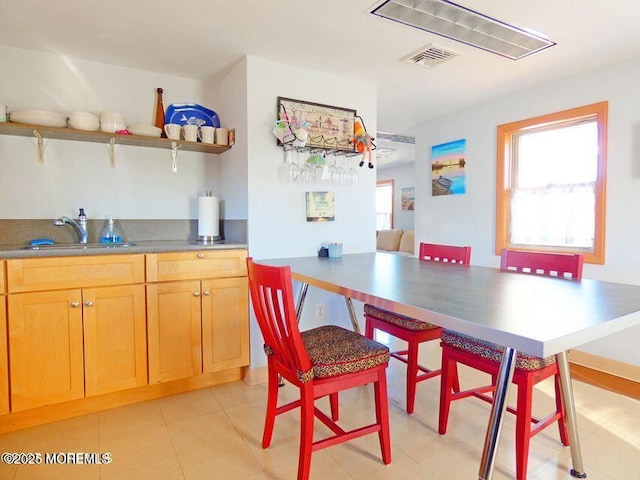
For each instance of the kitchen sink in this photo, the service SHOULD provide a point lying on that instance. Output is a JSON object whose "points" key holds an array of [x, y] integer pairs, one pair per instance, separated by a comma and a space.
{"points": [[78, 246]]}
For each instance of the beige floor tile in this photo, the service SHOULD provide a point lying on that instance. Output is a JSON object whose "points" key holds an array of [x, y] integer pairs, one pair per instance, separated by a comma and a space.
{"points": [[238, 393], [123, 421], [188, 405], [62, 472], [224, 461], [206, 431], [216, 433], [147, 446], [323, 467], [168, 469], [79, 434]]}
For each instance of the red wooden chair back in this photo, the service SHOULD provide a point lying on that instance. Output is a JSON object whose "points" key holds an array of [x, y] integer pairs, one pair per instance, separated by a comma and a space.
{"points": [[433, 252], [563, 265], [272, 298]]}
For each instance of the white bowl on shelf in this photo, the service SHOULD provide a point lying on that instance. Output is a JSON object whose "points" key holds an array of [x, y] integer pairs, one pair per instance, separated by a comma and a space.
{"points": [[38, 117], [111, 122], [84, 121], [145, 130]]}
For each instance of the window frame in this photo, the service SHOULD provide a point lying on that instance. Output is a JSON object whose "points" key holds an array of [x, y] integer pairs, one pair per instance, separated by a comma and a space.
{"points": [[506, 167], [389, 182]]}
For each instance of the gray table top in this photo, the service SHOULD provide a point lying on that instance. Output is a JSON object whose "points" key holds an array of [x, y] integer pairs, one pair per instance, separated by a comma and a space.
{"points": [[531, 313]]}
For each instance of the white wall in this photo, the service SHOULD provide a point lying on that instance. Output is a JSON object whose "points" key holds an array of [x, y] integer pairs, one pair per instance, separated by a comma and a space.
{"points": [[470, 219], [403, 176], [277, 218], [78, 174]]}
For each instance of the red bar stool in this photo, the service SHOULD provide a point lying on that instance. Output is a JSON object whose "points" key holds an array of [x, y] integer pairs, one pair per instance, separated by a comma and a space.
{"points": [[529, 369], [321, 361], [413, 331]]}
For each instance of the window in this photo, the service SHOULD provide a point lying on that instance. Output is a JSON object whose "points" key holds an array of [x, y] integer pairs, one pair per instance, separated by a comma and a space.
{"points": [[551, 183], [384, 205]]}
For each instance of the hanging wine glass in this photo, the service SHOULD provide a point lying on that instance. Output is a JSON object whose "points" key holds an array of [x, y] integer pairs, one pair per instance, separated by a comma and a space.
{"points": [[283, 169]]}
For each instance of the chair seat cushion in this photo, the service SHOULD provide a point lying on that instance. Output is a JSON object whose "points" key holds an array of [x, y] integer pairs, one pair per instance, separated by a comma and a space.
{"points": [[492, 351], [401, 321], [335, 351]]}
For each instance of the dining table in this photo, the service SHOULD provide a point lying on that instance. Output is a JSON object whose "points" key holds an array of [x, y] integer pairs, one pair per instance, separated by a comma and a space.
{"points": [[529, 313]]}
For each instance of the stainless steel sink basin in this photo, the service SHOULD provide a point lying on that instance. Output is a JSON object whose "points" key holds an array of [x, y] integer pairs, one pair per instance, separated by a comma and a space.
{"points": [[78, 246]]}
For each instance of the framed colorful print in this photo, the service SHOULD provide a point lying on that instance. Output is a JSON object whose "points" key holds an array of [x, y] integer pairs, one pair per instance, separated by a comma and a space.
{"points": [[408, 198], [321, 206], [448, 174], [326, 126]]}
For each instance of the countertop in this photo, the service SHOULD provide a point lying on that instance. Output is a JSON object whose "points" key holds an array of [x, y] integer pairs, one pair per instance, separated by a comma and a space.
{"points": [[23, 251]]}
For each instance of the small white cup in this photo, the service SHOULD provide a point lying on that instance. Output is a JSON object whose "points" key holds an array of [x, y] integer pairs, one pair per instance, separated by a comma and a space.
{"points": [[206, 134], [222, 136], [3, 113], [173, 131], [111, 122], [190, 133]]}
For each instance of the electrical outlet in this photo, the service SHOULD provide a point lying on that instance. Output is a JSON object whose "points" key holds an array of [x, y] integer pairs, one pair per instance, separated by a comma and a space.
{"points": [[320, 311]]}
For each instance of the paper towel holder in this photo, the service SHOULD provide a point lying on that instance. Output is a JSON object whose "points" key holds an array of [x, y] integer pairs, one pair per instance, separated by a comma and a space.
{"points": [[208, 239]]}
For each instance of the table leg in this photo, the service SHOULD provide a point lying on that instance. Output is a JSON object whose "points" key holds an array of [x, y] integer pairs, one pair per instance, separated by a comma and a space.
{"points": [[570, 412], [505, 376], [300, 305], [352, 315]]}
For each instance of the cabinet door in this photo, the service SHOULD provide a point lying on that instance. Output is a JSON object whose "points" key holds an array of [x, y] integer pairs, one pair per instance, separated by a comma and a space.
{"points": [[115, 338], [4, 373], [225, 323], [45, 345], [174, 332]]}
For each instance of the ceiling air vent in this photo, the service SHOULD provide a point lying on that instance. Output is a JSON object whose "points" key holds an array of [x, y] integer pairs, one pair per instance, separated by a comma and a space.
{"points": [[429, 56]]}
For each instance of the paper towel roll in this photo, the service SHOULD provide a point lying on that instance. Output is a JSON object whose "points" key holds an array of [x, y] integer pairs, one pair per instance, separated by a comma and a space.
{"points": [[208, 218]]}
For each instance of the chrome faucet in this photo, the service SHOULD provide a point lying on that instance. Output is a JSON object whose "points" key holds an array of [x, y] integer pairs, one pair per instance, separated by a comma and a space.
{"points": [[80, 226]]}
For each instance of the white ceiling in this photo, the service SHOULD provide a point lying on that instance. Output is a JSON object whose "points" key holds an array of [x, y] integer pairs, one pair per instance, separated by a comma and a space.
{"points": [[201, 38]]}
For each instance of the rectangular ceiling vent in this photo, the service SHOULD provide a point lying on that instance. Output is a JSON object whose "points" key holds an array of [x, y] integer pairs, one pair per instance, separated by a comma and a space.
{"points": [[429, 56], [453, 21]]}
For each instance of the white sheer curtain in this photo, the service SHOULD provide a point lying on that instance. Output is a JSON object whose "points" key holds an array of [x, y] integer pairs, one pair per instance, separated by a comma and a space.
{"points": [[554, 215]]}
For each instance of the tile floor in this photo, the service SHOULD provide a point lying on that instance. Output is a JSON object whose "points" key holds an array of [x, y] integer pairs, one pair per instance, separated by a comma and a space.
{"points": [[215, 433]]}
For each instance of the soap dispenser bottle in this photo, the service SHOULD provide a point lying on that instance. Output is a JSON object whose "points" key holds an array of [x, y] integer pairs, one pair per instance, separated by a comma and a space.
{"points": [[110, 234]]}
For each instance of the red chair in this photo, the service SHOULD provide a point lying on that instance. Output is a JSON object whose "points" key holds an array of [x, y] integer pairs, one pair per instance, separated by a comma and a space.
{"points": [[529, 369], [320, 362], [413, 331]]}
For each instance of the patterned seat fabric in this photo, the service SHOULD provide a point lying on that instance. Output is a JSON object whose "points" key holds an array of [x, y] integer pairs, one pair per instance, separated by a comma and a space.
{"points": [[401, 321], [335, 351], [491, 351]]}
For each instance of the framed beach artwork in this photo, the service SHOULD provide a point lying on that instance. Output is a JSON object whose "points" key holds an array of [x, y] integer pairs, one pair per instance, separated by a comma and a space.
{"points": [[327, 126], [448, 174], [408, 198], [321, 206]]}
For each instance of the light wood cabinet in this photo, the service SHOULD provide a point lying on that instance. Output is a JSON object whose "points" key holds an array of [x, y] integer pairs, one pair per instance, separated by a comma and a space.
{"points": [[197, 326], [225, 324], [54, 273], [163, 267], [174, 326], [4, 372], [69, 343], [45, 345], [115, 343]]}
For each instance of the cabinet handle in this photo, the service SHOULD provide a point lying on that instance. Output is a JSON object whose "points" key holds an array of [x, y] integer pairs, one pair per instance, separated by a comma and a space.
{"points": [[207, 293], [75, 304], [89, 303], [196, 294], [201, 255]]}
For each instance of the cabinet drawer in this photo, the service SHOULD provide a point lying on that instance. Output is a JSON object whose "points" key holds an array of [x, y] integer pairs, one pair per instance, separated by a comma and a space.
{"points": [[196, 265], [36, 274]]}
